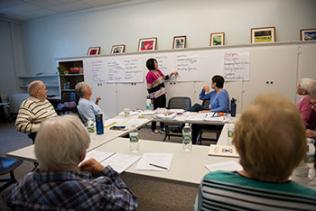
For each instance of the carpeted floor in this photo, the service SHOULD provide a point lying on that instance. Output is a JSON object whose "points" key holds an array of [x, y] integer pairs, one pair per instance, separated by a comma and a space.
{"points": [[11, 140]]}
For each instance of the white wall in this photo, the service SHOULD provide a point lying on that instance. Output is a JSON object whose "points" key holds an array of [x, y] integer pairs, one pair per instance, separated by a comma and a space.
{"points": [[72, 34], [11, 58]]}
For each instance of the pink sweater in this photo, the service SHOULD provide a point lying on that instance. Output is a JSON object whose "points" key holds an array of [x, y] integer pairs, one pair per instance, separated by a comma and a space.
{"points": [[307, 113]]}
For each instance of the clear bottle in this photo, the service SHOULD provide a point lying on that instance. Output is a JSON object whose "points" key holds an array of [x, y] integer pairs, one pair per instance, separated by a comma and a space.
{"points": [[133, 140], [90, 125], [230, 133], [148, 104], [310, 158], [187, 137]]}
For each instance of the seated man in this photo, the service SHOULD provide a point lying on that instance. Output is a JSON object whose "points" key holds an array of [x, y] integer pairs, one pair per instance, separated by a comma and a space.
{"points": [[34, 110], [59, 183], [86, 107], [270, 140], [218, 102]]}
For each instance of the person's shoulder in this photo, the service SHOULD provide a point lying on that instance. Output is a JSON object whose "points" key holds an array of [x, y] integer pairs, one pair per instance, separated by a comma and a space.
{"points": [[223, 176]]}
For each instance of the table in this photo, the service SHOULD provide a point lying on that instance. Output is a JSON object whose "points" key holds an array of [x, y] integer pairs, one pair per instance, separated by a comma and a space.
{"points": [[189, 117], [172, 190], [27, 153]]}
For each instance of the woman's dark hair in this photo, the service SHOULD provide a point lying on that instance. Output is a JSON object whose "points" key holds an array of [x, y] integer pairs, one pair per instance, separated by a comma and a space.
{"points": [[150, 64], [218, 80]]}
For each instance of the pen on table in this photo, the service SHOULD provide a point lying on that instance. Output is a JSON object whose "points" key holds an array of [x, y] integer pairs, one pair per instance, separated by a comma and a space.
{"points": [[213, 114], [162, 167]]}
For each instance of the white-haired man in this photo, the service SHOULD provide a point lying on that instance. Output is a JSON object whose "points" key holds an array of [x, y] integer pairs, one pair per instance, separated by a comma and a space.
{"points": [[86, 107], [60, 183], [34, 110]]}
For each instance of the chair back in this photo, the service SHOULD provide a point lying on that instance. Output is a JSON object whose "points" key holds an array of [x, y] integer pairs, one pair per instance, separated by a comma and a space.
{"points": [[179, 103]]}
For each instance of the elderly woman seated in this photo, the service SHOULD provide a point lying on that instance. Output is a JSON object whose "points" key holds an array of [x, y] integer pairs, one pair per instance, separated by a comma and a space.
{"points": [[86, 107], [306, 88], [59, 183], [270, 139]]}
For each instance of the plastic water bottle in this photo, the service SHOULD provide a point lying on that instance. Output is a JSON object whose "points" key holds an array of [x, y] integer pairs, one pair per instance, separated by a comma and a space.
{"points": [[133, 140], [90, 125], [99, 123], [310, 158], [230, 133], [148, 104], [187, 137]]}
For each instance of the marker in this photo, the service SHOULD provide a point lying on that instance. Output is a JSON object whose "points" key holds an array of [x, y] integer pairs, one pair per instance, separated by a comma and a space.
{"points": [[161, 167]]}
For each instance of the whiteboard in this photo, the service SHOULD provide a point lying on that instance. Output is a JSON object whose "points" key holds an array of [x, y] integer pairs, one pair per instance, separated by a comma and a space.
{"points": [[194, 65]]}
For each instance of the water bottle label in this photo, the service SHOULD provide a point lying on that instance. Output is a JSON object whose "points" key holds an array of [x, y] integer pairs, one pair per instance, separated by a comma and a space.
{"points": [[133, 139], [186, 139]]}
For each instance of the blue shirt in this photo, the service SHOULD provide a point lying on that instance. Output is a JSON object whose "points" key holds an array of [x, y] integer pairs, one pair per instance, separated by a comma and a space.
{"points": [[70, 190], [87, 109], [219, 102]]}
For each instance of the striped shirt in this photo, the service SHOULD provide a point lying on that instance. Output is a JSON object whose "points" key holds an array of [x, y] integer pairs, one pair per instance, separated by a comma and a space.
{"points": [[231, 191], [32, 113], [155, 83]]}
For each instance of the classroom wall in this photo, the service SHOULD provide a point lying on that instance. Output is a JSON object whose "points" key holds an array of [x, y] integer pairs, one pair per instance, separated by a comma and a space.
{"points": [[71, 34], [11, 57]]}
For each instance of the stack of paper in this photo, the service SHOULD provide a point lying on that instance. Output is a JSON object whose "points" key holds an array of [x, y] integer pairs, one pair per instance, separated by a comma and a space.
{"points": [[196, 117], [120, 162], [155, 162], [98, 155], [224, 166]]}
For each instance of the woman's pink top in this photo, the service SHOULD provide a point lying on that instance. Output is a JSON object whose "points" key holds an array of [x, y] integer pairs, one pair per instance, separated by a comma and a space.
{"points": [[308, 114]]}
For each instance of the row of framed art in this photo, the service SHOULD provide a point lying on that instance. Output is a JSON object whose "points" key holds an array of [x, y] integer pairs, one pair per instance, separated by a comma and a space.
{"points": [[258, 35]]}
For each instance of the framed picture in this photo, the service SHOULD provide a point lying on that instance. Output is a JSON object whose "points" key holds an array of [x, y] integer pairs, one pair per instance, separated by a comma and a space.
{"points": [[147, 44], [117, 49], [179, 42], [217, 39], [263, 35], [308, 34], [93, 51]]}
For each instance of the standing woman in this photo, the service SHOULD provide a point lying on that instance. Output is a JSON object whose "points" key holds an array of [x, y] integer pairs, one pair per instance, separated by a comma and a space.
{"points": [[156, 88]]}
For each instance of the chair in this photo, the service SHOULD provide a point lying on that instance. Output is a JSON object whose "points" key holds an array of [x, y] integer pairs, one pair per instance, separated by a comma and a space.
{"points": [[173, 129], [7, 166]]}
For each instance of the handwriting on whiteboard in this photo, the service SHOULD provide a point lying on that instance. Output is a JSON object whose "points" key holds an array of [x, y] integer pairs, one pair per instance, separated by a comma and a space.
{"points": [[236, 66], [186, 63]]}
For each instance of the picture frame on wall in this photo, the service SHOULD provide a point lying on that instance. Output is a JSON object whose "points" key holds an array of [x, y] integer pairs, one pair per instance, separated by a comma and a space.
{"points": [[179, 42], [308, 34], [94, 51], [217, 39], [118, 49], [147, 44], [263, 35]]}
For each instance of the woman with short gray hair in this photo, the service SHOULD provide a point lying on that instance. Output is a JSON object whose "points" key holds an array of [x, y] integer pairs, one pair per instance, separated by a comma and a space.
{"points": [[60, 183]]}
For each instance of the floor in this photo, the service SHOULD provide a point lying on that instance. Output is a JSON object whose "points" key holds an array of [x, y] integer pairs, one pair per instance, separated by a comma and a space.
{"points": [[11, 140]]}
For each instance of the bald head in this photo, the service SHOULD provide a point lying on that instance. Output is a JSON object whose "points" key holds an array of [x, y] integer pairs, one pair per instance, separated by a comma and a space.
{"points": [[37, 89]]}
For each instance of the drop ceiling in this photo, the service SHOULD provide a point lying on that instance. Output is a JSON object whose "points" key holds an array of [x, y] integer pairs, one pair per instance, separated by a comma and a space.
{"points": [[22, 10]]}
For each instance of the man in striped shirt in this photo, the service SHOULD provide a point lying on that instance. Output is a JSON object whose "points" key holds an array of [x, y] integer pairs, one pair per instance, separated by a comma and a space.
{"points": [[34, 110], [270, 139]]}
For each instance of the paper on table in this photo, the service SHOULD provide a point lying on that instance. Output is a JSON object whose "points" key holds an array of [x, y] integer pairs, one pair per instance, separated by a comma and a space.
{"points": [[224, 166], [136, 122], [196, 117], [98, 155], [155, 161], [120, 162]]}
